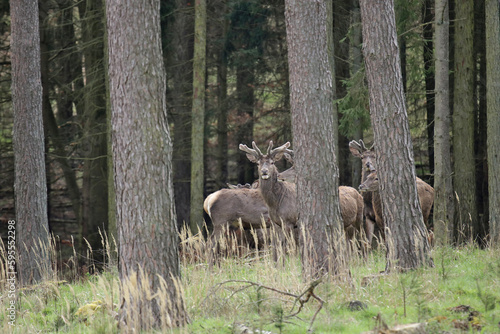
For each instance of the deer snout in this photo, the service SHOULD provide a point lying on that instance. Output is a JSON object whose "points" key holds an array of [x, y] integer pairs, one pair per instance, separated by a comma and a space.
{"points": [[362, 188], [264, 173]]}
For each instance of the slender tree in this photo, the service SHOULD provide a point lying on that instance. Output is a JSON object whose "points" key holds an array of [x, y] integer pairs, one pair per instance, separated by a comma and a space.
{"points": [[311, 100], [427, 34], [356, 61], [444, 202], [464, 181], [405, 231], [31, 232], [493, 115], [198, 118], [142, 156], [95, 166], [178, 58]]}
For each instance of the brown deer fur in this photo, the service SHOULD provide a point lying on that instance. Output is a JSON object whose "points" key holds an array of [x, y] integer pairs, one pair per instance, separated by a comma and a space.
{"points": [[425, 196], [281, 196], [367, 157], [226, 206]]}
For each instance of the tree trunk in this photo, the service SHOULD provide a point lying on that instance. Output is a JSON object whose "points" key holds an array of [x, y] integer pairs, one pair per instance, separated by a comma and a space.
{"points": [[444, 203], [95, 166], [30, 231], [405, 230], [356, 57], [198, 118], [142, 156], [429, 80], [222, 106], [341, 69], [181, 71], [463, 123], [493, 116], [311, 99], [51, 127], [480, 123], [245, 80]]}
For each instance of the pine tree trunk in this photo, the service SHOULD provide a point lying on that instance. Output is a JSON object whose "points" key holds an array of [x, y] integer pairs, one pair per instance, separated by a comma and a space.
{"points": [[245, 81], [30, 229], [493, 116], [142, 156], [405, 231], [356, 56], [181, 68], [444, 203], [427, 56], [341, 69], [311, 97], [95, 166], [198, 118], [463, 123]]}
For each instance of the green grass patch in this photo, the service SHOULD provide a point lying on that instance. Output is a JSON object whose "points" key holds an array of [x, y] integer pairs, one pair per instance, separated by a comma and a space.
{"points": [[253, 293]]}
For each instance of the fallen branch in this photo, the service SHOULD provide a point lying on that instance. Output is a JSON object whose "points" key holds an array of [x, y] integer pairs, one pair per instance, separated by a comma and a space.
{"points": [[301, 299]]}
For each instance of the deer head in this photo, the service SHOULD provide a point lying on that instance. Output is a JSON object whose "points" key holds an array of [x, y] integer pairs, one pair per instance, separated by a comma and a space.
{"points": [[367, 155], [371, 182], [267, 169]]}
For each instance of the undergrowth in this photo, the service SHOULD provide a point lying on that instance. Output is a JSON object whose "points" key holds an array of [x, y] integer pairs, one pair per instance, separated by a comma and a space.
{"points": [[246, 291]]}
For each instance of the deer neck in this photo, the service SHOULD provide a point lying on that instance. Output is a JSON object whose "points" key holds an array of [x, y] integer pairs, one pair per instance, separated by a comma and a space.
{"points": [[271, 190]]}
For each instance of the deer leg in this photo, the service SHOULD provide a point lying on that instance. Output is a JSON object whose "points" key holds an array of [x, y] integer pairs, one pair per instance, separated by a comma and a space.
{"points": [[213, 244], [369, 228]]}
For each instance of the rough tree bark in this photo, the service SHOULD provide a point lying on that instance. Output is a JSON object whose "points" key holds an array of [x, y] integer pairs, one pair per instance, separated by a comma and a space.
{"points": [[464, 181], [31, 232], [444, 201], [142, 157], [198, 118], [406, 240], [311, 100]]}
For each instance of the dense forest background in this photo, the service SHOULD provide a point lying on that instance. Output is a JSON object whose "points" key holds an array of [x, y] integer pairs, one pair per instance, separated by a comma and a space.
{"points": [[246, 98]]}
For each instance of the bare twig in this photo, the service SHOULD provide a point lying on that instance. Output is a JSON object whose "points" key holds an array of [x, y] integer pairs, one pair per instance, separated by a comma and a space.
{"points": [[301, 299]]}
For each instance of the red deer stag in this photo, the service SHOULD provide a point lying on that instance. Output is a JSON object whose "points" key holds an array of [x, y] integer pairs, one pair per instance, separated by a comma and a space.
{"points": [[367, 157], [425, 196], [281, 197]]}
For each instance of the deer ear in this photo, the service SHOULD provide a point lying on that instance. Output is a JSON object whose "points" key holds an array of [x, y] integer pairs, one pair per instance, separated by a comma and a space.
{"points": [[252, 158], [354, 151]]}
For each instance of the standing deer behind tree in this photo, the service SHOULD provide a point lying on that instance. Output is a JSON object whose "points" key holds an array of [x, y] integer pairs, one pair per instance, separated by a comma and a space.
{"points": [[425, 196], [281, 195], [367, 157]]}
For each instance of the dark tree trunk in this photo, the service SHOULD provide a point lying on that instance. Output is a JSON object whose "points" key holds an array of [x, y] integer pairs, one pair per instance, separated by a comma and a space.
{"points": [[95, 167], [356, 56], [222, 111], [245, 80], [341, 20], [480, 121], [493, 126], [429, 80], [179, 60]]}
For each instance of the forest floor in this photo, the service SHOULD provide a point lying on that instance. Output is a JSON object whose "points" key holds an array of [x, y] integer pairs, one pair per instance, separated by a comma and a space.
{"points": [[252, 294]]}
